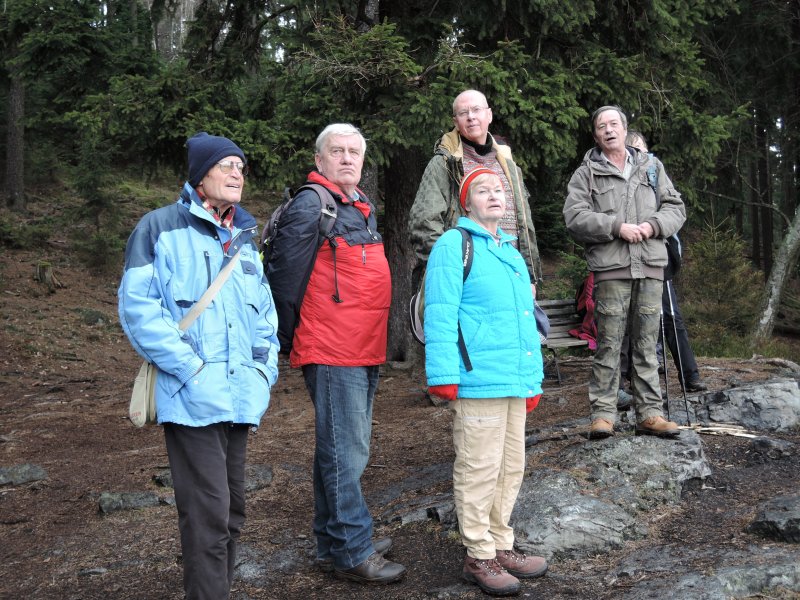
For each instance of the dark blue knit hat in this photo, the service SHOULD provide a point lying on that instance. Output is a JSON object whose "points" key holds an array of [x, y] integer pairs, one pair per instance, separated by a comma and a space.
{"points": [[205, 151]]}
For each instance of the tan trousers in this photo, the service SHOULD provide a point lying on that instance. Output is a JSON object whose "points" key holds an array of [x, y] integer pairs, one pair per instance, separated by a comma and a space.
{"points": [[489, 440]]}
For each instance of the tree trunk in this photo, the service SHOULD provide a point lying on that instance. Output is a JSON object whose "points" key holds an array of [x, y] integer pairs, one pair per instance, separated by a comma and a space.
{"points": [[755, 227], [765, 198], [400, 183], [782, 269], [134, 4], [15, 143]]}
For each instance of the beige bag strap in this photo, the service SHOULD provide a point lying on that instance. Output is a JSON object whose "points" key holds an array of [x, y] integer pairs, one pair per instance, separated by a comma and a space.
{"points": [[209, 294]]}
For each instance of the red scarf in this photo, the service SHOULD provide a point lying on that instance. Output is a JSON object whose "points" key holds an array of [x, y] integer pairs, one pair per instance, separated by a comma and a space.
{"points": [[224, 220]]}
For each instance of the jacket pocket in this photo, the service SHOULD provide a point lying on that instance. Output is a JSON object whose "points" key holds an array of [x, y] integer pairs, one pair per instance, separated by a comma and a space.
{"points": [[605, 198], [252, 285], [207, 394], [254, 389]]}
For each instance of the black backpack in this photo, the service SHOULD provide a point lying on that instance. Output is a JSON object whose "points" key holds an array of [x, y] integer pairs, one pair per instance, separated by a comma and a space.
{"points": [[416, 307], [673, 242], [327, 216], [288, 300]]}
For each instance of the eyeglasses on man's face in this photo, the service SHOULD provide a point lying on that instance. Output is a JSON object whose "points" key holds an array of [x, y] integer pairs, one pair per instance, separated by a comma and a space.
{"points": [[472, 110], [226, 166]]}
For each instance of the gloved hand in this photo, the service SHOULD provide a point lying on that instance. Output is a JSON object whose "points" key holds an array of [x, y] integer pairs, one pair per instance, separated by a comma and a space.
{"points": [[531, 403], [448, 392]]}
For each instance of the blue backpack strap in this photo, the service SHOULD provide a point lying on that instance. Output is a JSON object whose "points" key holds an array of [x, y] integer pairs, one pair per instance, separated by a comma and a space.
{"points": [[652, 177]]}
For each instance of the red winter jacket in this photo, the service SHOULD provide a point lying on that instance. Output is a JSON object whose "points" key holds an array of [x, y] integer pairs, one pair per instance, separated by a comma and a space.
{"points": [[345, 309]]}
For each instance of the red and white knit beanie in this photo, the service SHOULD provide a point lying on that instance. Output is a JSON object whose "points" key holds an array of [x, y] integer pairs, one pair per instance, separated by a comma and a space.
{"points": [[469, 177]]}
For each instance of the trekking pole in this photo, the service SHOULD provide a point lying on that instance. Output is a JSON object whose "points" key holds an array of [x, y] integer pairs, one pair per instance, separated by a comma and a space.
{"points": [[664, 357], [682, 377]]}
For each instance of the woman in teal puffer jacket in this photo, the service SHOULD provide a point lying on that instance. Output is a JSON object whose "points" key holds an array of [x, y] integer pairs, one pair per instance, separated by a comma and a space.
{"points": [[494, 308]]}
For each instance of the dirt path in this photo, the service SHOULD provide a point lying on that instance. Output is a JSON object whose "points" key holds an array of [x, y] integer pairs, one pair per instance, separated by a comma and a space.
{"points": [[66, 374]]}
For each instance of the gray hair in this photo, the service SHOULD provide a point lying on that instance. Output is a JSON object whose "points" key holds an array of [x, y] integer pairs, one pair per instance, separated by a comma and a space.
{"points": [[339, 129], [596, 114]]}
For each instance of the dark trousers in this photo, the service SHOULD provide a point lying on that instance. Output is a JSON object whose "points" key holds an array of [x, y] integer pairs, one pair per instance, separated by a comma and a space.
{"points": [[677, 339], [207, 465], [677, 336]]}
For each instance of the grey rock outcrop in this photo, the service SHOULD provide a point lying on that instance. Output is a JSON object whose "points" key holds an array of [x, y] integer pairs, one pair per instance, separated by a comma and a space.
{"points": [[588, 499], [19, 474], [779, 519], [115, 501], [773, 449], [555, 519], [733, 574], [767, 406], [257, 477]]}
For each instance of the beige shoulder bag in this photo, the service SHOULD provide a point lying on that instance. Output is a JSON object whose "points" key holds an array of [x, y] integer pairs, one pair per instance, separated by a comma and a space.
{"points": [[142, 408]]}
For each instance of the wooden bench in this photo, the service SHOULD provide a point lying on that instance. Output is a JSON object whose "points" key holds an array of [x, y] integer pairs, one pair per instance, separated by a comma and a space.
{"points": [[562, 317]]}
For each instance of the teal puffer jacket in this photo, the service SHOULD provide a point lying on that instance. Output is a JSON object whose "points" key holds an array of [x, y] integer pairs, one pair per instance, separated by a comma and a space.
{"points": [[495, 308]]}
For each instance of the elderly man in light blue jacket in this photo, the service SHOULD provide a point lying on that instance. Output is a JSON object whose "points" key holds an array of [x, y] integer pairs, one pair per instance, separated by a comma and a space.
{"points": [[214, 378]]}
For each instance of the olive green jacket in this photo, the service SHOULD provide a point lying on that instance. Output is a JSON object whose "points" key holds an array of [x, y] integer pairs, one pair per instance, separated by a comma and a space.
{"points": [[437, 208], [599, 200]]}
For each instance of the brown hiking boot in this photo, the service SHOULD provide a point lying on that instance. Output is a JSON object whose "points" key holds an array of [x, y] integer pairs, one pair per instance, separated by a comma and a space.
{"points": [[600, 428], [520, 565], [658, 426], [490, 576]]}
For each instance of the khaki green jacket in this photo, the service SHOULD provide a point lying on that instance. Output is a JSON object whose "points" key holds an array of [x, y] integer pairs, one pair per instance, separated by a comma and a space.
{"points": [[436, 207], [599, 200]]}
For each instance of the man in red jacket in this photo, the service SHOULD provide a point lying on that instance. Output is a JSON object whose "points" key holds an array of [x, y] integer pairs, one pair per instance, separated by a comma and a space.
{"points": [[339, 340]]}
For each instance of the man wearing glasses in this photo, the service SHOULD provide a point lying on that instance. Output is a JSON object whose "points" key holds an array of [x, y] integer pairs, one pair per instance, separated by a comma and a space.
{"points": [[469, 145], [214, 378]]}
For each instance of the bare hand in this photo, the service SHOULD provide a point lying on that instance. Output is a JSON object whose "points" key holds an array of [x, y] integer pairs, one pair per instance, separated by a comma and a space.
{"points": [[533, 290], [646, 230], [630, 233]]}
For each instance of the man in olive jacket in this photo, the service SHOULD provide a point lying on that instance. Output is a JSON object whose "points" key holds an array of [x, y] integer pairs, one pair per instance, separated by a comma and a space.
{"points": [[612, 210], [469, 145]]}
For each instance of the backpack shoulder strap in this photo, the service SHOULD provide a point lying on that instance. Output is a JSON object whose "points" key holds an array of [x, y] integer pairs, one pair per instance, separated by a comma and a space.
{"points": [[327, 208], [269, 227], [652, 176], [467, 251]]}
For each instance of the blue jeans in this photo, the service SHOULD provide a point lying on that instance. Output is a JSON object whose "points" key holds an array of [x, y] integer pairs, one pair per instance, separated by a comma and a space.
{"points": [[343, 398]]}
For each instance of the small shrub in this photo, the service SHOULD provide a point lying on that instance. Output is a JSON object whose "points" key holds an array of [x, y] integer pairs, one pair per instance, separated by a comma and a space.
{"points": [[101, 252], [18, 235], [721, 293], [569, 274]]}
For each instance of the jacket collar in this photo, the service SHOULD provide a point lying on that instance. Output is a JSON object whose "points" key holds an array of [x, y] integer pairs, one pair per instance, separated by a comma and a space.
{"points": [[241, 219], [476, 229]]}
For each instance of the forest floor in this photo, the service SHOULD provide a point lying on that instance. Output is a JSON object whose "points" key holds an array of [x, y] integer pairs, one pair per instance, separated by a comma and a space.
{"points": [[66, 371]]}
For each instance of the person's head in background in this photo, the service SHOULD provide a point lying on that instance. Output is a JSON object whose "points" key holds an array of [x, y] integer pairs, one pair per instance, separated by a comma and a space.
{"points": [[637, 140]]}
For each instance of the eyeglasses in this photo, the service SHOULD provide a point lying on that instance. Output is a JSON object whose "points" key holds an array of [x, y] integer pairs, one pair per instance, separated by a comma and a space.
{"points": [[226, 166], [473, 110]]}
